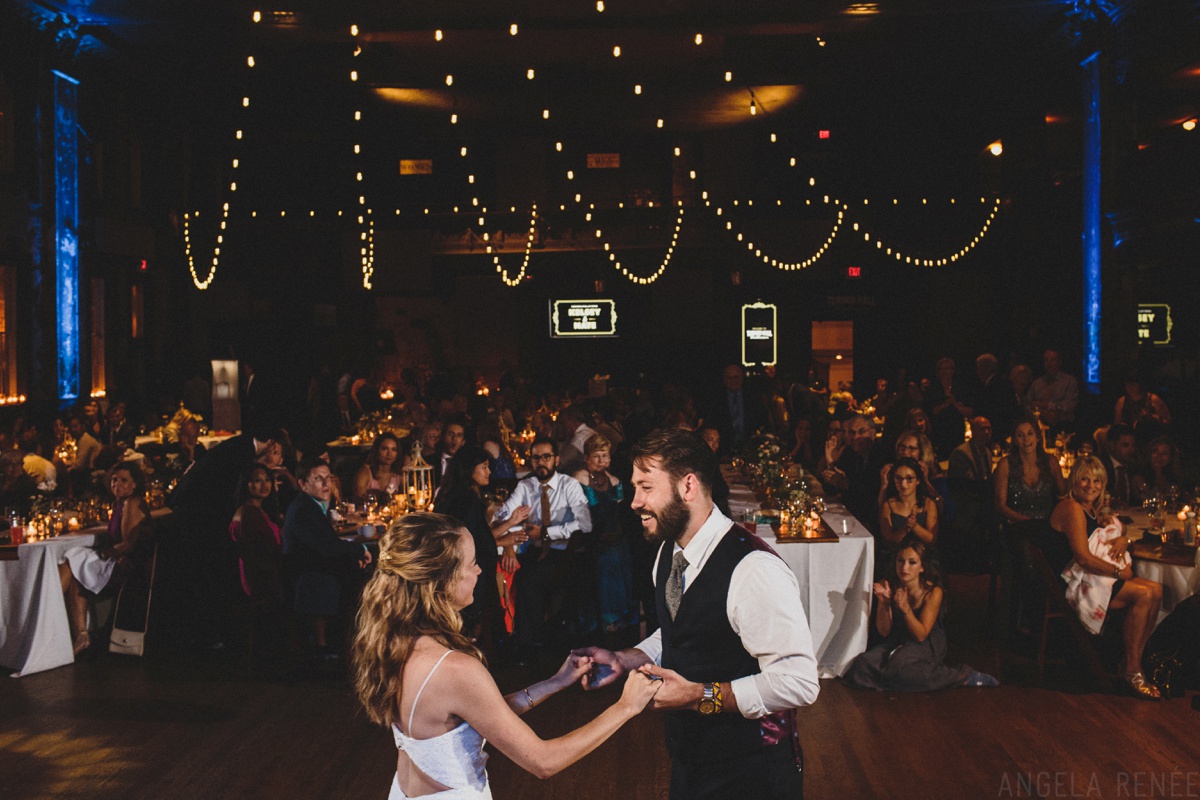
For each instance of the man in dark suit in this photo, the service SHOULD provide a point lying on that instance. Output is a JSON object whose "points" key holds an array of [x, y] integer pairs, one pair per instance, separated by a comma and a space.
{"points": [[1116, 452], [203, 554], [994, 397], [317, 561], [453, 437], [735, 412]]}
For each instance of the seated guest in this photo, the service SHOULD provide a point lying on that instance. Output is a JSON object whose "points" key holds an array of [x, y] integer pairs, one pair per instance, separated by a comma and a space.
{"points": [[257, 536], [42, 470], [188, 449], [907, 511], [87, 447], [275, 458], [380, 472], [118, 433], [558, 509], [948, 409], [1117, 449], [856, 473], [917, 420], [1074, 520], [909, 617], [605, 492], [1027, 482], [102, 568], [454, 434], [915, 445], [319, 563], [1162, 470], [803, 452], [491, 439], [429, 436], [1055, 394], [17, 488], [461, 497], [1143, 411]]}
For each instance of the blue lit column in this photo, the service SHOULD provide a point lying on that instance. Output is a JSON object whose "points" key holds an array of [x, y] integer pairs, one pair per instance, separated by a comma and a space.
{"points": [[66, 232], [1091, 223]]}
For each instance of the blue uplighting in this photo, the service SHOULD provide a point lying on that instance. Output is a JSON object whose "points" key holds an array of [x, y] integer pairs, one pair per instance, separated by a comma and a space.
{"points": [[1091, 223], [66, 232]]}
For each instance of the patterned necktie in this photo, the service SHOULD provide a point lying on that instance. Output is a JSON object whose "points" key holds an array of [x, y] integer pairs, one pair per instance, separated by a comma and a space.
{"points": [[674, 588], [545, 508]]}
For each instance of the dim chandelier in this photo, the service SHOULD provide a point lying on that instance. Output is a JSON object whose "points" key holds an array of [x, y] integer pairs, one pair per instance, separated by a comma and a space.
{"points": [[366, 222]]}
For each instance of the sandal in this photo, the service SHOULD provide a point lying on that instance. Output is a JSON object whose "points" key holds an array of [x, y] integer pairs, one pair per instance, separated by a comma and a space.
{"points": [[83, 640], [1142, 688]]}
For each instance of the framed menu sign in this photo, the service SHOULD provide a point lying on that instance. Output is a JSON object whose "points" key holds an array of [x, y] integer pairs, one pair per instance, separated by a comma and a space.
{"points": [[759, 329], [578, 318], [1154, 323]]}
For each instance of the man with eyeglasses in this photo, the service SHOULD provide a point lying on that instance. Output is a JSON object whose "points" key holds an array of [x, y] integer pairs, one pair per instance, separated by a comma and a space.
{"points": [[558, 509], [319, 563]]}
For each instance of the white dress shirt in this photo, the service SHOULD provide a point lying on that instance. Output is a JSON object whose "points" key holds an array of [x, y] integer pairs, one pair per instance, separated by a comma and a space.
{"points": [[764, 610], [568, 507]]}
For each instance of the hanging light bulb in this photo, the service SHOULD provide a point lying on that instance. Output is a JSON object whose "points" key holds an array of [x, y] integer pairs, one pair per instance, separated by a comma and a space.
{"points": [[753, 107], [463, 152], [354, 30], [599, 6], [529, 73], [512, 29], [250, 61], [699, 38], [454, 119], [659, 123], [449, 80], [616, 51], [256, 16], [728, 76], [558, 146], [637, 88], [437, 35], [545, 113]]}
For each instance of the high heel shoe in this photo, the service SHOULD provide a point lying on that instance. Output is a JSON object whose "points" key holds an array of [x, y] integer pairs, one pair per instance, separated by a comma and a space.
{"points": [[1142, 688], [83, 640]]}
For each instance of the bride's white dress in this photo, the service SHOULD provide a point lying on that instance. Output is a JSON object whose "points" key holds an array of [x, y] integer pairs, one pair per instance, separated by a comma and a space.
{"points": [[454, 759]]}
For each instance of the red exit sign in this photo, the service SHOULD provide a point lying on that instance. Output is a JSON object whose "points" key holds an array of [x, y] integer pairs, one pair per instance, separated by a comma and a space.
{"points": [[853, 272], [822, 134]]}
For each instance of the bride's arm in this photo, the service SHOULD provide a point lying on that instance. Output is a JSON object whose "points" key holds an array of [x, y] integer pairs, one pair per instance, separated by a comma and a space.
{"points": [[574, 668], [479, 703]]}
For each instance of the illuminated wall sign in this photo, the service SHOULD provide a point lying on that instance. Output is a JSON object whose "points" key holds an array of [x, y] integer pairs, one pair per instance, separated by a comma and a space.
{"points": [[1154, 323], [416, 166], [853, 272], [583, 318], [604, 160], [759, 333]]}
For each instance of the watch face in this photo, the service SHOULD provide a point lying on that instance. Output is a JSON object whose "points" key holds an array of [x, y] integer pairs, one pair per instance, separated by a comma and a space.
{"points": [[707, 706]]}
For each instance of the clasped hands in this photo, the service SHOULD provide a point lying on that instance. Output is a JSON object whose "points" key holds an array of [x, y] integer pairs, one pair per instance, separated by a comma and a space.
{"points": [[671, 690]]}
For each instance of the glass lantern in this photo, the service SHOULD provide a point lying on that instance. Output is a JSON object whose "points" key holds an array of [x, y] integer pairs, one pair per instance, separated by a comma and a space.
{"points": [[418, 481]]}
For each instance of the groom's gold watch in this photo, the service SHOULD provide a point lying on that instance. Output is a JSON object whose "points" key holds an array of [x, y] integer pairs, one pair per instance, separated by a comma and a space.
{"points": [[710, 702]]}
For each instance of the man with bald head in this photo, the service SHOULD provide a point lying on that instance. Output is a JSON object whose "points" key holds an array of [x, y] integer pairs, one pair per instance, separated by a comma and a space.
{"points": [[736, 412]]}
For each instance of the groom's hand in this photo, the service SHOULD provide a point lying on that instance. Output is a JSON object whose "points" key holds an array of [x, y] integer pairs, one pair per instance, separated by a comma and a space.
{"points": [[606, 667], [677, 692]]}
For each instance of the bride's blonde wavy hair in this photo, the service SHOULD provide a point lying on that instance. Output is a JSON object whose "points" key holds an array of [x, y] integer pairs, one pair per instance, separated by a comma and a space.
{"points": [[408, 597]]}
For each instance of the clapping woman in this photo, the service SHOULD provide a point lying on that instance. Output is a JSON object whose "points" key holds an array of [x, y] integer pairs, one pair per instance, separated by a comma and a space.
{"points": [[909, 617], [908, 509], [416, 672]]}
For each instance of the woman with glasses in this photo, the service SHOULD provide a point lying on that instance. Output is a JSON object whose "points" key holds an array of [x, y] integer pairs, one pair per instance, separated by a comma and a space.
{"points": [[908, 510]]}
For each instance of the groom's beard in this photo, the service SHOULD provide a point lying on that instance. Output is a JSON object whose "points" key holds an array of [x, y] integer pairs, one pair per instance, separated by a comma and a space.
{"points": [[672, 521]]}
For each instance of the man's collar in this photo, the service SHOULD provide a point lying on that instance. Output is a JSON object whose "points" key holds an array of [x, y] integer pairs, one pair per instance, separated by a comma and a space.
{"points": [[713, 528]]}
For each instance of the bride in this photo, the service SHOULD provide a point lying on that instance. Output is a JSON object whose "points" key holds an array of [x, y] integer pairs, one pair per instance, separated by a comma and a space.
{"points": [[418, 673]]}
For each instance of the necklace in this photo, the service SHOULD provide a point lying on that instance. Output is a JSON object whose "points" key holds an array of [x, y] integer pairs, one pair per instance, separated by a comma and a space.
{"points": [[598, 480]]}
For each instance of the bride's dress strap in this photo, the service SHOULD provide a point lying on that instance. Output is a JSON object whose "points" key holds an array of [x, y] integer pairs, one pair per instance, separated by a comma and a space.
{"points": [[417, 699]]}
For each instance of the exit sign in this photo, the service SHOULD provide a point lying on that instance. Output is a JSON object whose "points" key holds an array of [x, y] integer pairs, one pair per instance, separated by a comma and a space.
{"points": [[822, 134], [853, 272]]}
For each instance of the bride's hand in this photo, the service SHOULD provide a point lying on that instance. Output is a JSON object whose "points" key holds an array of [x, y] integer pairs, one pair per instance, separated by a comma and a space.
{"points": [[572, 670], [639, 691]]}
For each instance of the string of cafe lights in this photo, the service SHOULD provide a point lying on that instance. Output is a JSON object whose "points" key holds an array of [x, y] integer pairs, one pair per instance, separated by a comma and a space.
{"points": [[364, 215], [662, 266], [787, 266], [223, 223], [938, 262], [533, 218]]}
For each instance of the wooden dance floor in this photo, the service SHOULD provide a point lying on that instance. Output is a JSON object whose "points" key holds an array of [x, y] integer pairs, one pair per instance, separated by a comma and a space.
{"points": [[171, 727]]}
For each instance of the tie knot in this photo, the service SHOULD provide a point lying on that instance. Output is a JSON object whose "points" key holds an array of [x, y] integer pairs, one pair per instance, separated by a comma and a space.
{"points": [[679, 562]]}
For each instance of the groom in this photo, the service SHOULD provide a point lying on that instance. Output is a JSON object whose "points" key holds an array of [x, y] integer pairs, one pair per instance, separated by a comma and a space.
{"points": [[734, 650]]}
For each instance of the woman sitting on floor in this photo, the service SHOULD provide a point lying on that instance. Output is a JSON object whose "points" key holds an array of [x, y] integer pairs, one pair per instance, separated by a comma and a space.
{"points": [[909, 617], [1110, 580], [102, 568]]}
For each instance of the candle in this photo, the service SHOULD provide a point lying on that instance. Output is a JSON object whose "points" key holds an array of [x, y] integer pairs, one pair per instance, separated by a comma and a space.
{"points": [[73, 524]]}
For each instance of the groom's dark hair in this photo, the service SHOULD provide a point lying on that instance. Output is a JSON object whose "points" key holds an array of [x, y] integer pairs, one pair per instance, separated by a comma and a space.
{"points": [[678, 452]]}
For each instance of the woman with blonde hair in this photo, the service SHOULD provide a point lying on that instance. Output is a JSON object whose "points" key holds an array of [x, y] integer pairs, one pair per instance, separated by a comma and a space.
{"points": [[416, 671], [1103, 565]]}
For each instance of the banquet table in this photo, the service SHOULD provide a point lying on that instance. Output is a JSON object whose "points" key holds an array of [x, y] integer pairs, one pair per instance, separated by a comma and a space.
{"points": [[208, 440], [835, 580], [34, 634], [1177, 573]]}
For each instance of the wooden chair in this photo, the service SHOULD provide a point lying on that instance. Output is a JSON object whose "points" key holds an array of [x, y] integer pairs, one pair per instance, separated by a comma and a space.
{"points": [[1055, 606]]}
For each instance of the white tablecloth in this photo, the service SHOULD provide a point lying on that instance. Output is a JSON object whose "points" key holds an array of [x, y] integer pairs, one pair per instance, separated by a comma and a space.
{"points": [[34, 634], [835, 582], [1178, 582]]}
